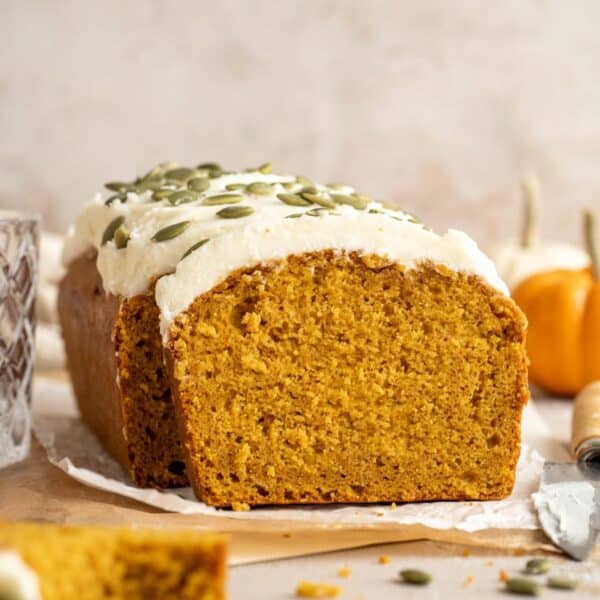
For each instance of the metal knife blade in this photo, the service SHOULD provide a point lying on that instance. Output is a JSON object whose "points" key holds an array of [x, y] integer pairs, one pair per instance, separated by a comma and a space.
{"points": [[568, 506], [568, 501]]}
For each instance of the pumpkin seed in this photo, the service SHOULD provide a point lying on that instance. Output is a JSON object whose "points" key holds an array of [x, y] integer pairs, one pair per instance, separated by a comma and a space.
{"points": [[194, 247], [223, 199], [537, 566], [121, 237], [181, 174], [562, 583], [168, 165], [151, 184], [265, 168], [357, 203], [320, 200], [288, 185], [155, 173], [294, 215], [210, 166], [109, 232], [170, 231], [235, 212], [304, 181], [259, 188], [293, 200], [317, 212], [363, 198], [198, 184], [522, 586], [117, 186], [338, 186], [114, 198], [183, 197], [234, 186], [214, 173], [162, 194], [415, 576]]}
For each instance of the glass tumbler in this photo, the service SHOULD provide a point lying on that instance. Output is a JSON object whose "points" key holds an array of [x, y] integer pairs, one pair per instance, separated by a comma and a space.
{"points": [[18, 282]]}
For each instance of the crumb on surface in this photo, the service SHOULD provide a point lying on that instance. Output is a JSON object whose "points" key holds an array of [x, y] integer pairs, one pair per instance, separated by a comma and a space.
{"points": [[503, 575], [240, 506], [393, 506], [384, 560], [468, 581], [344, 572], [308, 589]]}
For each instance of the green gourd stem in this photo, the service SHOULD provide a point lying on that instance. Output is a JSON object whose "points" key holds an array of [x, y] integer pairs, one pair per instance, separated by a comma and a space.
{"points": [[591, 241], [530, 189]]}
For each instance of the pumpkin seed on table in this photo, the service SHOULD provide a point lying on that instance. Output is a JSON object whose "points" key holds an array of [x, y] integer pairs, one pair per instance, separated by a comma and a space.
{"points": [[415, 576], [121, 237], [522, 586], [194, 247], [170, 231], [109, 232], [293, 200], [223, 199], [538, 566], [235, 212], [562, 583], [259, 188]]}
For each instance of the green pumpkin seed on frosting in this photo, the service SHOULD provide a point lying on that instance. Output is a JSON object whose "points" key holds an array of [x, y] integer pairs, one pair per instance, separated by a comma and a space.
{"points": [[181, 174], [198, 184], [293, 200], [259, 188], [210, 166], [183, 197], [109, 232], [223, 199], [115, 198], [265, 168], [323, 201], [232, 187], [357, 203], [117, 186], [194, 247], [235, 212], [170, 231], [121, 237]]}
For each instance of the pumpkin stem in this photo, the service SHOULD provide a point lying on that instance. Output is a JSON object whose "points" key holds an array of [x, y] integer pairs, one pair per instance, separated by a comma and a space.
{"points": [[589, 232], [530, 189]]}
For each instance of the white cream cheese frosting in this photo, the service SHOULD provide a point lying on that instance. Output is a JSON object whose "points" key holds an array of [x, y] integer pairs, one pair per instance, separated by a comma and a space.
{"points": [[17, 580], [273, 230]]}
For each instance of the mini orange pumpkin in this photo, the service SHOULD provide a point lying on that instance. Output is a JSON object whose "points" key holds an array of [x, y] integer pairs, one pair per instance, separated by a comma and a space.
{"points": [[563, 310]]}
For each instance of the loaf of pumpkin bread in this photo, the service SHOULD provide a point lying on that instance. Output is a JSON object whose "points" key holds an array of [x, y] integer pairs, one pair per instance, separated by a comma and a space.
{"points": [[276, 341]]}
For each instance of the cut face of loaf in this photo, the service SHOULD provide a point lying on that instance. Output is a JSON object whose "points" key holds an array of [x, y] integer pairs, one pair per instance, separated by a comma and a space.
{"points": [[332, 377], [115, 359]]}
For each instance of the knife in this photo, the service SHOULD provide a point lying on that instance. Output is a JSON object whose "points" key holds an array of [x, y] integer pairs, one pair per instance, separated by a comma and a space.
{"points": [[568, 501]]}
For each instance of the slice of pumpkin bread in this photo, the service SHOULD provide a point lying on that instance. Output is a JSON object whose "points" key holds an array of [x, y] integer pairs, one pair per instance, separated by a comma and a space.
{"points": [[91, 563], [332, 377]]}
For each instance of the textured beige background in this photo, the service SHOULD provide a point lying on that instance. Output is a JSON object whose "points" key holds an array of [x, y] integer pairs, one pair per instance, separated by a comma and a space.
{"points": [[437, 105]]}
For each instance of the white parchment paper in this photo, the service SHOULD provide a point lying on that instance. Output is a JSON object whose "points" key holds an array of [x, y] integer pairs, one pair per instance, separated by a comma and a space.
{"points": [[72, 448]]}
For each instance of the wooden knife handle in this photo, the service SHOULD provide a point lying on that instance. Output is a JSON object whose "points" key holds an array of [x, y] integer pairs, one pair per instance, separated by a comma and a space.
{"points": [[585, 431]]}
